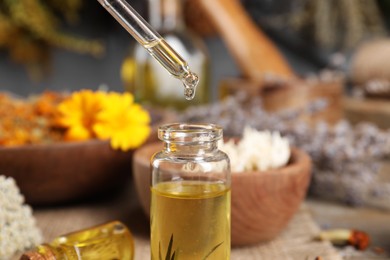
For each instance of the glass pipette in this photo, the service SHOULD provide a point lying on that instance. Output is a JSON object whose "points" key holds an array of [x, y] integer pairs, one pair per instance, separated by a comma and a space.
{"points": [[153, 43]]}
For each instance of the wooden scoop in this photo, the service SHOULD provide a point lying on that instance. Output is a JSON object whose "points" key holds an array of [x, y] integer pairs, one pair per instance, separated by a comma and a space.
{"points": [[253, 51]]}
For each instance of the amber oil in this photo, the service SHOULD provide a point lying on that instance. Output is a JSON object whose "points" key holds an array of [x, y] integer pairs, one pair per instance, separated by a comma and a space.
{"points": [[111, 241], [190, 220]]}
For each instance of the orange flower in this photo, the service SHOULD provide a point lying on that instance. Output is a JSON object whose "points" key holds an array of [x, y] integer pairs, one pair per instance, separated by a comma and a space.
{"points": [[122, 121], [87, 114], [78, 114]]}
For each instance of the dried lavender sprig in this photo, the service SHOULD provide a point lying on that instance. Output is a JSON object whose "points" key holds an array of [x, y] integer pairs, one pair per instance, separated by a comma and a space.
{"points": [[345, 157]]}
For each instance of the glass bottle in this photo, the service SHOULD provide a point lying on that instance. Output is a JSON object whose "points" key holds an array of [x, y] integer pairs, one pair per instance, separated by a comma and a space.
{"points": [[148, 80], [108, 241], [190, 194]]}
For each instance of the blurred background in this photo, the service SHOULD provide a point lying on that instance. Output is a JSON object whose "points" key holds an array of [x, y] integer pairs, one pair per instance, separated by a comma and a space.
{"points": [[317, 68], [307, 32], [316, 71], [30, 63]]}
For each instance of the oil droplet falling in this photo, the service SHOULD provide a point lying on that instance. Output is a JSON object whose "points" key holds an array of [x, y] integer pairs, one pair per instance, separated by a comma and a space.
{"points": [[190, 81]]}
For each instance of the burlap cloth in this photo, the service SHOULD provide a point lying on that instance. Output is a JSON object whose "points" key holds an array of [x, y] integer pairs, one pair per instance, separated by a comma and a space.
{"points": [[295, 242]]}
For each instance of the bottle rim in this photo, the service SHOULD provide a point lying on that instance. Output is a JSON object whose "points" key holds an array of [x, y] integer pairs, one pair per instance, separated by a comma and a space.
{"points": [[190, 133]]}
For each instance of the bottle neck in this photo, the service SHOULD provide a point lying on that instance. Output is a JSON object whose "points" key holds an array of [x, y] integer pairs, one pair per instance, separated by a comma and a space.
{"points": [[190, 149], [166, 15], [190, 139]]}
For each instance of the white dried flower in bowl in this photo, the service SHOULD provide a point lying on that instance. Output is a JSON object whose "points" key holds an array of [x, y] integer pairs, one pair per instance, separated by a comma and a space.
{"points": [[257, 150], [18, 229]]}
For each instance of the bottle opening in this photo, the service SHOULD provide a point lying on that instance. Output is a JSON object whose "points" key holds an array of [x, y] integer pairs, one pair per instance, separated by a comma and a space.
{"points": [[189, 133]]}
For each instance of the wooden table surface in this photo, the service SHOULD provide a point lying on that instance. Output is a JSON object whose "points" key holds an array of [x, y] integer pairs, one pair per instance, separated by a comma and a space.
{"points": [[325, 214]]}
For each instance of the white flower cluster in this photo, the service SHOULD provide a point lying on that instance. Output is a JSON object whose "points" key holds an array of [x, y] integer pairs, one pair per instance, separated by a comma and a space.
{"points": [[18, 230], [257, 150]]}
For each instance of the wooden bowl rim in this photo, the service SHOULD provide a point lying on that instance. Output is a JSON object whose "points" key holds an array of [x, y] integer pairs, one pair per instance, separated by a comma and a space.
{"points": [[297, 158]]}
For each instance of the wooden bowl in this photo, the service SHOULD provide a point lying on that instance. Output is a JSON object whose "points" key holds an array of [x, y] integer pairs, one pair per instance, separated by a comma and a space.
{"points": [[63, 172], [262, 202]]}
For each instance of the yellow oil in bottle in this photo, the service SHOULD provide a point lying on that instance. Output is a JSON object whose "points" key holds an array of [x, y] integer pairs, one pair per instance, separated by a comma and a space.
{"points": [[190, 220], [111, 241]]}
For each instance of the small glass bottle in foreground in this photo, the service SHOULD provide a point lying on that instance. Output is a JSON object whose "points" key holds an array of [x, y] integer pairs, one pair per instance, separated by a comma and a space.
{"points": [[108, 241], [190, 195]]}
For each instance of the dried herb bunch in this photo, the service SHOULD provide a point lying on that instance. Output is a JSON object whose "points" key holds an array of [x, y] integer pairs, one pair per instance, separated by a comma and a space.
{"points": [[28, 28], [330, 24], [29, 121], [345, 157], [341, 23]]}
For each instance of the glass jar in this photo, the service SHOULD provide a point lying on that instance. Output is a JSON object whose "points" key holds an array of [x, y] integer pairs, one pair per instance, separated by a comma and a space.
{"points": [[147, 80], [190, 194], [112, 240]]}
